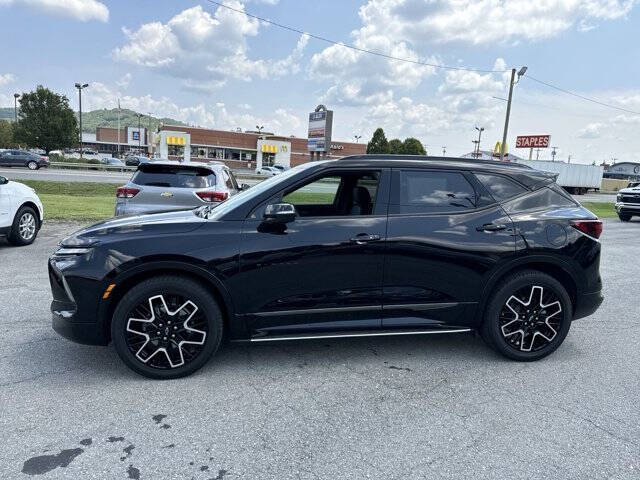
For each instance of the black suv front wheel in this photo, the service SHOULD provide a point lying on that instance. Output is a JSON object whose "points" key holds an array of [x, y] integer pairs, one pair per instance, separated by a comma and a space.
{"points": [[166, 327], [528, 316]]}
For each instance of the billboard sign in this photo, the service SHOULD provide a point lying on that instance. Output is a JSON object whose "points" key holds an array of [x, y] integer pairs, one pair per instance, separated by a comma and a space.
{"points": [[533, 141], [320, 126]]}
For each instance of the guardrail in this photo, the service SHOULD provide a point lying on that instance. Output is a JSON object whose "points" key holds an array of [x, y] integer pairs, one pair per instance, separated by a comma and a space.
{"points": [[240, 175]]}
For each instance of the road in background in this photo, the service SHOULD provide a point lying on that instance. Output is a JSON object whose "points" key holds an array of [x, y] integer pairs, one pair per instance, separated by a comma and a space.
{"points": [[397, 407]]}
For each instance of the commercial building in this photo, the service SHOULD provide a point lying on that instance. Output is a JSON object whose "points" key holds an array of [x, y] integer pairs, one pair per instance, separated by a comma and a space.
{"points": [[623, 171], [247, 150]]}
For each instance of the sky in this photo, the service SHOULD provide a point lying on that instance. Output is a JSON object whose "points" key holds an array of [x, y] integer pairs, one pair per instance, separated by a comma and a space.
{"points": [[214, 67]]}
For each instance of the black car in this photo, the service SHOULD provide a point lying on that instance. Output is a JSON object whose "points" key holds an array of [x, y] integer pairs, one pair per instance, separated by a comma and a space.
{"points": [[135, 160], [353, 247], [22, 158]]}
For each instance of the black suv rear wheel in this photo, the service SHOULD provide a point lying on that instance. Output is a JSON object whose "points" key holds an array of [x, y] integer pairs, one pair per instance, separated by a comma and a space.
{"points": [[528, 316], [166, 327]]}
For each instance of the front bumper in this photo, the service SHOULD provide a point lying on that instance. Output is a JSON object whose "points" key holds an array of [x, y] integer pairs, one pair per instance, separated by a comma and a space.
{"points": [[587, 304], [628, 208], [75, 317]]}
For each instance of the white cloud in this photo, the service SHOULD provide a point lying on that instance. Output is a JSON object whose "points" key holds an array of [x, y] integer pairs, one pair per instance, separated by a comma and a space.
{"points": [[591, 131], [6, 78], [282, 121], [204, 49], [124, 81], [81, 10], [485, 21]]}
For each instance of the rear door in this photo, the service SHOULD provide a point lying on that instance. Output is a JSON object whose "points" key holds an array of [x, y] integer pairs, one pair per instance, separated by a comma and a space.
{"points": [[444, 234]]}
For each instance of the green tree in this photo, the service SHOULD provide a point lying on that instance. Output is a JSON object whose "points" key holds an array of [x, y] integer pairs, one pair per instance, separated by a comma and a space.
{"points": [[395, 146], [378, 143], [413, 146], [46, 121], [6, 134]]}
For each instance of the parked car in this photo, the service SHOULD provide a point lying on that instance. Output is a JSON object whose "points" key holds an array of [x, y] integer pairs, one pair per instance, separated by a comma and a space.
{"points": [[628, 203], [112, 162], [158, 186], [397, 246], [135, 160], [21, 212], [23, 158], [281, 168], [269, 171]]}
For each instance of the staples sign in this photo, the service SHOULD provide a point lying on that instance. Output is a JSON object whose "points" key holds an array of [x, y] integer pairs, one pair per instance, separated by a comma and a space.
{"points": [[533, 141]]}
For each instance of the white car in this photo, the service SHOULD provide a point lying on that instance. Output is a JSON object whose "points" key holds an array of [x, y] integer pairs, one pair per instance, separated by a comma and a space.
{"points": [[21, 212], [269, 171]]}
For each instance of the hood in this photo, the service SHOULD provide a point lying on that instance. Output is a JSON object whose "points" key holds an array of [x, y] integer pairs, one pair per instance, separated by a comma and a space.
{"points": [[162, 223], [633, 190], [17, 186]]}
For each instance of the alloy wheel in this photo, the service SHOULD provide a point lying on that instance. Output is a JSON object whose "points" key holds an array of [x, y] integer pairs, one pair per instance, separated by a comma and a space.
{"points": [[166, 331], [531, 318], [27, 226], [32, 166]]}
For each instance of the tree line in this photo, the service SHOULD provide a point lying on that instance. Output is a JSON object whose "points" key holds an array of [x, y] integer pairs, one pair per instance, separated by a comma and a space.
{"points": [[380, 144]]}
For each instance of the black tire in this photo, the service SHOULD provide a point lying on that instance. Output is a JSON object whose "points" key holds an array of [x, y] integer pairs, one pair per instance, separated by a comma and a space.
{"points": [[158, 363], [523, 336], [623, 217], [18, 235], [33, 165]]}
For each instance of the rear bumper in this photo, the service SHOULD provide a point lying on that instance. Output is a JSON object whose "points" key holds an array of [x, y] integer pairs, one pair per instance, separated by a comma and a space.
{"points": [[587, 304]]}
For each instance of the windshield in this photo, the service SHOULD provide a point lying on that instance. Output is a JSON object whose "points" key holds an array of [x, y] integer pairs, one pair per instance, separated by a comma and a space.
{"points": [[216, 212]]}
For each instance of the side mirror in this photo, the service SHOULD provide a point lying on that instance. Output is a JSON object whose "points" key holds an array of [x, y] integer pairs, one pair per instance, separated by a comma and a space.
{"points": [[4, 180], [279, 213]]}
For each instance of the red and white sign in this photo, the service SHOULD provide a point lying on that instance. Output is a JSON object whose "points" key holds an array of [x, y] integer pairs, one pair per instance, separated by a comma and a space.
{"points": [[533, 141]]}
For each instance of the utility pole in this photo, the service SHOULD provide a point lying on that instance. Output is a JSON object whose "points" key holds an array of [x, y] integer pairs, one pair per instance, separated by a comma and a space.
{"points": [[444, 151], [357, 137], [480, 130], [503, 146], [553, 153], [139, 136], [15, 106], [537, 154], [569, 159], [148, 135], [118, 155], [80, 87]]}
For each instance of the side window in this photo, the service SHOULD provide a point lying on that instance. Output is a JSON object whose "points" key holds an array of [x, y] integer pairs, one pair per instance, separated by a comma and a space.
{"points": [[501, 188], [227, 179], [432, 191], [319, 192], [336, 194], [234, 182], [540, 199]]}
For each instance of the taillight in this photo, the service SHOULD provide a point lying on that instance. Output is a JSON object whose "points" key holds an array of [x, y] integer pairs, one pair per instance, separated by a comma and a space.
{"points": [[593, 228], [213, 196], [126, 192]]}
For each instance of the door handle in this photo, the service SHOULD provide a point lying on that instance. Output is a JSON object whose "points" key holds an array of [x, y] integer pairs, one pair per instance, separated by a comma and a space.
{"points": [[491, 227], [363, 238]]}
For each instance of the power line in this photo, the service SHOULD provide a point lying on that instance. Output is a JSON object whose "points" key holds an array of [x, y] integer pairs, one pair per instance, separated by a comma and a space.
{"points": [[352, 47], [592, 100]]}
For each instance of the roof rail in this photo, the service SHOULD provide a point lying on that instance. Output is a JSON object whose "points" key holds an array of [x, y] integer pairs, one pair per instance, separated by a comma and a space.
{"points": [[426, 158]]}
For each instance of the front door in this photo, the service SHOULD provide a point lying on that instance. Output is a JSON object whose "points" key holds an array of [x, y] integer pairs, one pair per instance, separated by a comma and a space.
{"points": [[323, 271], [443, 237]]}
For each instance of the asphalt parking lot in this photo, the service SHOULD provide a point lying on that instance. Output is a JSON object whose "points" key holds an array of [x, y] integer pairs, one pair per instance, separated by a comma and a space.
{"points": [[392, 408]]}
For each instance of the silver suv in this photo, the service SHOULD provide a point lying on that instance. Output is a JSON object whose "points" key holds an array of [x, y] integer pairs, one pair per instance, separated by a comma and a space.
{"points": [[165, 185]]}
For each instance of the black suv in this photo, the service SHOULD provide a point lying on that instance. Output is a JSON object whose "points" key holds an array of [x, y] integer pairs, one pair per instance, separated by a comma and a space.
{"points": [[353, 247]]}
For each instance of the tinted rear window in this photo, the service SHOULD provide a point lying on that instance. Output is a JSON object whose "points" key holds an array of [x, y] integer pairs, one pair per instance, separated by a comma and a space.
{"points": [[501, 188], [432, 191], [540, 199], [170, 176]]}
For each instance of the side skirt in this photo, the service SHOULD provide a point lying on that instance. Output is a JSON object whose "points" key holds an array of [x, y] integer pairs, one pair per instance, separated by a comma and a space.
{"points": [[377, 333]]}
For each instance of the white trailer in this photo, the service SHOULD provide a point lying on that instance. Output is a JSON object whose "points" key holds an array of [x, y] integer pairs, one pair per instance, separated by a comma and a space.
{"points": [[576, 178]]}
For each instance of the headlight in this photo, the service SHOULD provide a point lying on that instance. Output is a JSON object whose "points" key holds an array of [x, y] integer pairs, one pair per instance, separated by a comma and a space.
{"points": [[619, 198], [72, 251]]}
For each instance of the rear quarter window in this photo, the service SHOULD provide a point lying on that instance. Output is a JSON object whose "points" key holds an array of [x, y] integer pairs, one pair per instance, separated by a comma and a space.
{"points": [[500, 187], [545, 197], [169, 176]]}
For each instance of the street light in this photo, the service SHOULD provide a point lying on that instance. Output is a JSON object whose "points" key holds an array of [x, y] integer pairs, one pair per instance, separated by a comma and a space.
{"points": [[521, 72], [480, 130], [444, 151], [259, 128], [139, 139], [357, 137], [80, 87], [15, 106]]}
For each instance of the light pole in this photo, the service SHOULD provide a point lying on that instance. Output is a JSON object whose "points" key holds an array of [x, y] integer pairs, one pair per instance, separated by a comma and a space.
{"points": [[15, 106], [118, 155], [522, 71], [80, 86], [553, 153], [444, 151], [480, 130], [357, 137], [139, 136], [259, 128]]}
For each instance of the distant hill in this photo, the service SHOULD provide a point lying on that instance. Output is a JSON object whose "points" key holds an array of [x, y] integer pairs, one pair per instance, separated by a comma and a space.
{"points": [[108, 118]]}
